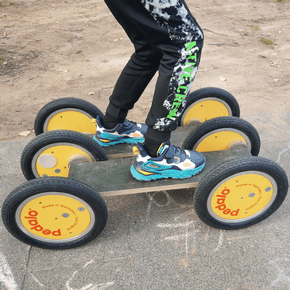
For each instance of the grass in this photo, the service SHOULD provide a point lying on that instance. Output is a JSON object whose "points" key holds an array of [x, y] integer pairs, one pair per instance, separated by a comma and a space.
{"points": [[267, 41], [255, 27], [10, 4]]}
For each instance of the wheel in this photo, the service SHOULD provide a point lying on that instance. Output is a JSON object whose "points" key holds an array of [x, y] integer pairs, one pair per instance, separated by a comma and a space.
{"points": [[208, 103], [51, 153], [54, 213], [67, 114], [223, 133], [240, 193]]}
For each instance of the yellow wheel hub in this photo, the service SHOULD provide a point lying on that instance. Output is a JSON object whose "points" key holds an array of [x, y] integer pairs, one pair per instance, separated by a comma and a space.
{"points": [[206, 109], [54, 160], [70, 119], [221, 140], [55, 217], [242, 196]]}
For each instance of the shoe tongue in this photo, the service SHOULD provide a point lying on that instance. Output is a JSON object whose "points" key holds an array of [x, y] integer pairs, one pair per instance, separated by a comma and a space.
{"points": [[163, 148]]}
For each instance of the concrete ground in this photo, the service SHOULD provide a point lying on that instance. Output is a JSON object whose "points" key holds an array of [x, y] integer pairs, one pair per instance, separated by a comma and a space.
{"points": [[156, 241]]}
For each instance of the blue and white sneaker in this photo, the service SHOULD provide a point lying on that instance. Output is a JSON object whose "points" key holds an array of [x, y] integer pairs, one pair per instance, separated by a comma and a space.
{"points": [[128, 132], [171, 162]]}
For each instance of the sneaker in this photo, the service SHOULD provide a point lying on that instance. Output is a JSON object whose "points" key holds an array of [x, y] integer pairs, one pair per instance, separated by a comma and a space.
{"points": [[171, 162], [128, 132]]}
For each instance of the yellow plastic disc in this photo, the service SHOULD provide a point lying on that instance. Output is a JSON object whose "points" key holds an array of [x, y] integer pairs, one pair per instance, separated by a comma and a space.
{"points": [[220, 140], [54, 160], [55, 216], [206, 109], [70, 119], [242, 196]]}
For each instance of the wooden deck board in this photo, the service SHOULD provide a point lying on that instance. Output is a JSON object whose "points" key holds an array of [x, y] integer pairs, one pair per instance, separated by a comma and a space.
{"points": [[113, 177]]}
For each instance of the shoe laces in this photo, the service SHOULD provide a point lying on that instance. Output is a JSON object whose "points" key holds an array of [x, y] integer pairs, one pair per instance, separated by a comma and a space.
{"points": [[180, 152], [130, 123]]}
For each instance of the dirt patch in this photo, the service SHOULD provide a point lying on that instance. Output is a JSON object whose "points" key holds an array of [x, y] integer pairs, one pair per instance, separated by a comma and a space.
{"points": [[14, 63], [52, 49]]}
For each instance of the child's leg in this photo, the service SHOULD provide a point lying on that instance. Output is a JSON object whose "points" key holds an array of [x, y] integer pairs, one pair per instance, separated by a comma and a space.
{"points": [[139, 70], [178, 67]]}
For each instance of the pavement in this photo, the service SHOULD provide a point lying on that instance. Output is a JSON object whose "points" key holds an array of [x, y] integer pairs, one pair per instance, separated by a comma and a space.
{"points": [[156, 241]]}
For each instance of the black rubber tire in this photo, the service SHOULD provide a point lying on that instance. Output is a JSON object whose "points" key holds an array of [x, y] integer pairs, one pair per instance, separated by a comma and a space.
{"points": [[210, 92], [55, 137], [63, 103], [59, 185], [228, 169], [195, 136]]}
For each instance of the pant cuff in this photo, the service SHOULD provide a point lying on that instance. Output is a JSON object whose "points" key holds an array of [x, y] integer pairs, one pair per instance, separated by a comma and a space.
{"points": [[116, 112]]}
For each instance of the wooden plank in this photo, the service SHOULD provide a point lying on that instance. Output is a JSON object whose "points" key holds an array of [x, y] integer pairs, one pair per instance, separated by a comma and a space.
{"points": [[113, 177]]}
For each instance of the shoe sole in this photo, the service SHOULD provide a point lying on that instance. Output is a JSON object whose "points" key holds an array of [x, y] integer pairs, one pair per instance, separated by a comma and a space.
{"points": [[122, 141], [174, 174]]}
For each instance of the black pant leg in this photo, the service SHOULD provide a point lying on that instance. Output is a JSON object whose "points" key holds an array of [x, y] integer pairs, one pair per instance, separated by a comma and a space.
{"points": [[178, 67], [142, 65]]}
